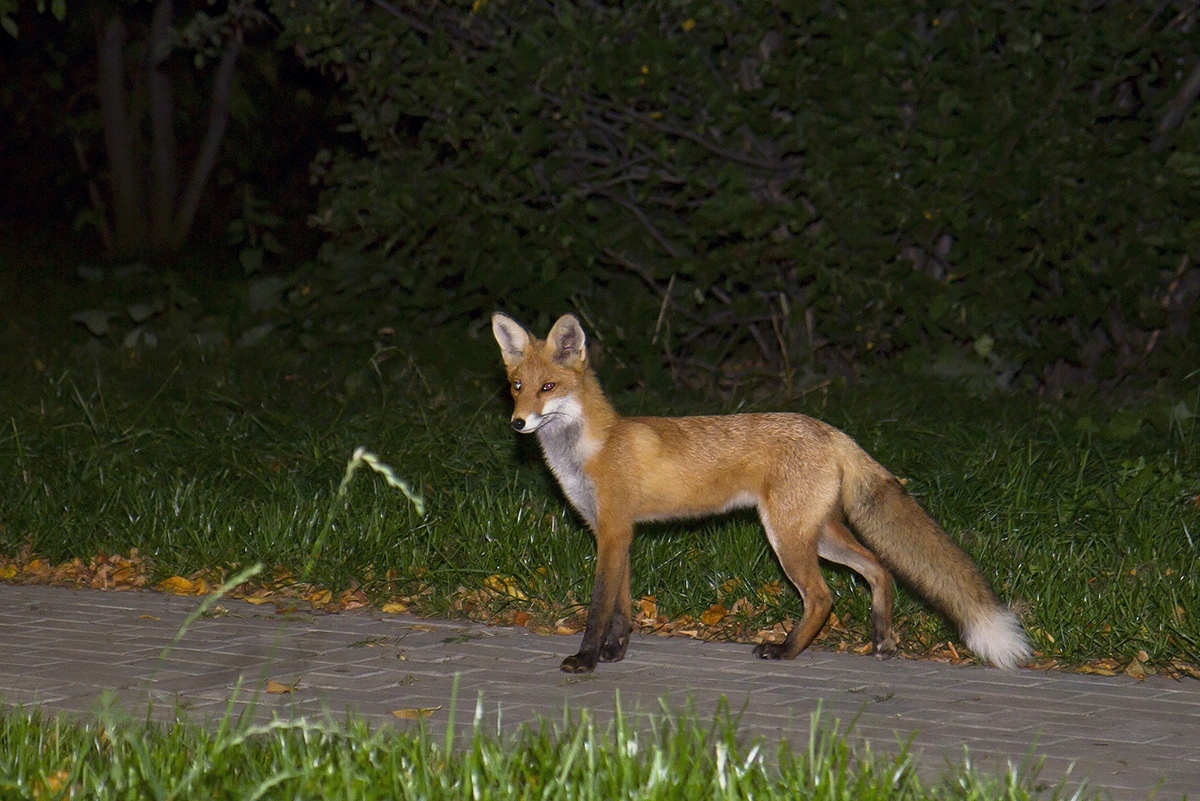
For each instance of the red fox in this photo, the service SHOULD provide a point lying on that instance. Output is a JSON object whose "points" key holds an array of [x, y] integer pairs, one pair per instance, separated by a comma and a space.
{"points": [[806, 478]]}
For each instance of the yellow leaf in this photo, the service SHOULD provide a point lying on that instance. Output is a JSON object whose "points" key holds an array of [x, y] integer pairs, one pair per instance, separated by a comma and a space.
{"points": [[7, 572], [394, 608], [648, 607], [421, 627], [415, 713], [257, 600], [320, 597], [714, 615], [1097, 671], [279, 688], [149, 617], [176, 585]]}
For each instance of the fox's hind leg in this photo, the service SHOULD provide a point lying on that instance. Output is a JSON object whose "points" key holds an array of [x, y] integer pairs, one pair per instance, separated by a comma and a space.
{"points": [[838, 545], [795, 540]]}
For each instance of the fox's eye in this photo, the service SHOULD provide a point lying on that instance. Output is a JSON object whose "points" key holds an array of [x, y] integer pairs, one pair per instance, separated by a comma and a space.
{"points": [[549, 385], [516, 386]]}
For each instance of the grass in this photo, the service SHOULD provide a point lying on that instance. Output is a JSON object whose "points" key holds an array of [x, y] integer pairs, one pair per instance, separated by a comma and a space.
{"points": [[1085, 516], [671, 757]]}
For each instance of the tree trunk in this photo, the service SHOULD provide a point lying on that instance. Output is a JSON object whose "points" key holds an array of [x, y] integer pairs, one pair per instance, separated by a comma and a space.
{"points": [[129, 217], [164, 179]]}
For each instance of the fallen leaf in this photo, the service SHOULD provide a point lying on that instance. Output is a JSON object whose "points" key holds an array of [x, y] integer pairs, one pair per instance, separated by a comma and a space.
{"points": [[7, 572], [149, 617], [521, 619], [415, 713], [176, 585], [1097, 671], [421, 627], [279, 688], [714, 615], [256, 600], [648, 607], [394, 608]]}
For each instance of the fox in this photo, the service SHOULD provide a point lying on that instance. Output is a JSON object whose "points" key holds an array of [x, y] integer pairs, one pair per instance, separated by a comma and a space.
{"points": [[818, 494]]}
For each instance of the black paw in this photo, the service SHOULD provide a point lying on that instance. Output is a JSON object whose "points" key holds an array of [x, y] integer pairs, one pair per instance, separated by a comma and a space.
{"points": [[886, 647], [578, 663], [614, 650], [768, 650]]}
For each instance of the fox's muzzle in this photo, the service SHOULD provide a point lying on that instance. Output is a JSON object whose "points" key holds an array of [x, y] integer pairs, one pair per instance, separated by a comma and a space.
{"points": [[518, 424]]}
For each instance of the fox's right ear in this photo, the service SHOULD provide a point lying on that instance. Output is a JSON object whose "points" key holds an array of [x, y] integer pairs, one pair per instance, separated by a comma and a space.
{"points": [[512, 338]]}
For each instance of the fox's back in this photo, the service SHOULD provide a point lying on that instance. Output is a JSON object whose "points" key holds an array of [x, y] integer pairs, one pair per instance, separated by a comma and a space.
{"points": [[685, 466]]}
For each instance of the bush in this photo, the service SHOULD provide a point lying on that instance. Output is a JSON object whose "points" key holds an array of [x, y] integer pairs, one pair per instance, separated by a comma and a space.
{"points": [[746, 188]]}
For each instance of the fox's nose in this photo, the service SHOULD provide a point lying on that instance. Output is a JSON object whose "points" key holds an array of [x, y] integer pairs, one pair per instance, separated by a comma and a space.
{"points": [[518, 424]]}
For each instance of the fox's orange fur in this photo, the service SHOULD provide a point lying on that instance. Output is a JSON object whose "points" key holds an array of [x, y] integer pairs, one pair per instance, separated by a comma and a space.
{"points": [[807, 480]]}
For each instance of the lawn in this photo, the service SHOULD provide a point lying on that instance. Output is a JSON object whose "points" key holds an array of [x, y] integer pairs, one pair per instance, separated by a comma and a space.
{"points": [[1084, 516], [179, 465], [676, 757]]}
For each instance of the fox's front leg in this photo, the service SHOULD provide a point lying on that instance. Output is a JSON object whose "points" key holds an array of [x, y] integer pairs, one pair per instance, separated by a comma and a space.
{"points": [[606, 634], [616, 639]]}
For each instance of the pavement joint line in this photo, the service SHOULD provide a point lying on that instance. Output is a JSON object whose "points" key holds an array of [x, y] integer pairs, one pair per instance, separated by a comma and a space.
{"points": [[64, 650]]}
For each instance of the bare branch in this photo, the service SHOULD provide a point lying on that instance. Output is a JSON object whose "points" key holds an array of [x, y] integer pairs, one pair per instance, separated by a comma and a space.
{"points": [[218, 117], [1177, 109]]}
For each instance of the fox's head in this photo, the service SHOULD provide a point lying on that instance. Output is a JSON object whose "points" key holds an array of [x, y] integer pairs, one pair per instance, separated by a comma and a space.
{"points": [[543, 374]]}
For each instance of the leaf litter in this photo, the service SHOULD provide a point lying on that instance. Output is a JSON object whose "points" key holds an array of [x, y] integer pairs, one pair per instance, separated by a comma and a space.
{"points": [[502, 600]]}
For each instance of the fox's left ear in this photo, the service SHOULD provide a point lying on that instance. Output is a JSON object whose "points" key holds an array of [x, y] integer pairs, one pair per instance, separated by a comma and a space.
{"points": [[567, 340]]}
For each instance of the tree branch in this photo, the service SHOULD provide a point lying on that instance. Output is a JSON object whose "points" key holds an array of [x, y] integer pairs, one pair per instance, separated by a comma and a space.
{"points": [[218, 117], [1177, 109]]}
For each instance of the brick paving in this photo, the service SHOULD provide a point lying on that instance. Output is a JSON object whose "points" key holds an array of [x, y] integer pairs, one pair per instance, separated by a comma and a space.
{"points": [[62, 649]]}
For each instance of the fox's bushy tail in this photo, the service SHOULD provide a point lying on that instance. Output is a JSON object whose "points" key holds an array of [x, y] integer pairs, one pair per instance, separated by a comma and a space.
{"points": [[916, 548]]}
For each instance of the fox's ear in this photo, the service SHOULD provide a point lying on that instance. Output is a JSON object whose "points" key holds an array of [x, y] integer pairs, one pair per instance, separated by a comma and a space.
{"points": [[512, 338], [567, 340]]}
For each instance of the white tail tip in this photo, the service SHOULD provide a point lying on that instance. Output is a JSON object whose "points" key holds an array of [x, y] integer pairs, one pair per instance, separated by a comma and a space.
{"points": [[999, 639]]}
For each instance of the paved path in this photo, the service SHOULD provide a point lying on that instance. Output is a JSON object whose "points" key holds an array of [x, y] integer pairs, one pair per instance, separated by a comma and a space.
{"points": [[61, 649]]}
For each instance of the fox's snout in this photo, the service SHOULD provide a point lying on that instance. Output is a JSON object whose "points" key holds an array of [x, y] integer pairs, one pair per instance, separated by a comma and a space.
{"points": [[518, 423]]}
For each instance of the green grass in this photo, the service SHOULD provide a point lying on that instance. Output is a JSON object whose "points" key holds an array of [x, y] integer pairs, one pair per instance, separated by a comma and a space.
{"points": [[1083, 514], [664, 757]]}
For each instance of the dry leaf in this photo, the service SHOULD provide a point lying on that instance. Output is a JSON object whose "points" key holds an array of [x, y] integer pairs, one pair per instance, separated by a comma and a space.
{"points": [[149, 617], [1097, 671], [421, 627], [1136, 670], [415, 713], [7, 572], [714, 615], [394, 608], [176, 585], [648, 607], [521, 619], [279, 688]]}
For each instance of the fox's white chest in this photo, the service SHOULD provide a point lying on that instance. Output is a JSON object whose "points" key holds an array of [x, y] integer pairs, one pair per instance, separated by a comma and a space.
{"points": [[566, 451]]}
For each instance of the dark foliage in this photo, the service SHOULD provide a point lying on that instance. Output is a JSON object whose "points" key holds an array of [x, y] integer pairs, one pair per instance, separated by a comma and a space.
{"points": [[996, 191]]}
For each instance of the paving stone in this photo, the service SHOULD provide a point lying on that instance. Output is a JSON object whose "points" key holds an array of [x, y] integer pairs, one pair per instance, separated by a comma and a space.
{"points": [[77, 651]]}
